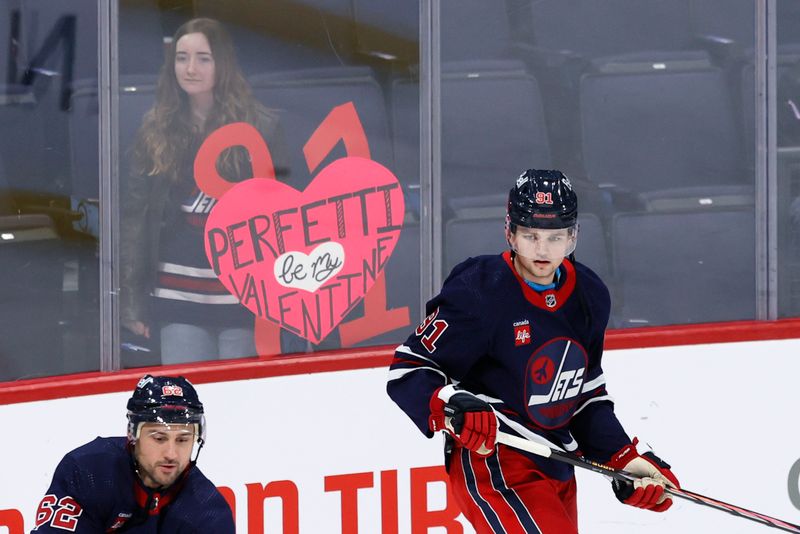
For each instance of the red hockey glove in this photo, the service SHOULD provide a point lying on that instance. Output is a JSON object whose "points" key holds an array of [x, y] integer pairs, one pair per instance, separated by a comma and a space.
{"points": [[469, 420], [648, 491]]}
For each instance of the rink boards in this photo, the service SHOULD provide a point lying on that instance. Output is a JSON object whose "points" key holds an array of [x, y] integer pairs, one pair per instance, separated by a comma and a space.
{"points": [[329, 452]]}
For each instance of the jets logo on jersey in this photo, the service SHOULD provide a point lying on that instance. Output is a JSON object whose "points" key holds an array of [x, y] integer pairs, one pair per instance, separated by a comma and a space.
{"points": [[522, 333], [542, 370], [555, 376], [199, 203]]}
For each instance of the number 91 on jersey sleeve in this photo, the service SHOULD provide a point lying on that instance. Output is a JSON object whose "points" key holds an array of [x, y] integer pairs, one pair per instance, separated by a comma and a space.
{"points": [[439, 326]]}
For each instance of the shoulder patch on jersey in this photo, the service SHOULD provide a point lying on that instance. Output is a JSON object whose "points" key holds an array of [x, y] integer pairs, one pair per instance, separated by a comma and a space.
{"points": [[120, 521]]}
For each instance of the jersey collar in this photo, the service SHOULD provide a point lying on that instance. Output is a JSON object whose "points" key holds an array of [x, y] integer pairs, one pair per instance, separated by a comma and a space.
{"points": [[153, 501], [550, 299]]}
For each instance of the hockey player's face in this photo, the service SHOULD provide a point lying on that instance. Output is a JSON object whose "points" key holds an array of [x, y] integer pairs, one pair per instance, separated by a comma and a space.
{"points": [[540, 252], [163, 452]]}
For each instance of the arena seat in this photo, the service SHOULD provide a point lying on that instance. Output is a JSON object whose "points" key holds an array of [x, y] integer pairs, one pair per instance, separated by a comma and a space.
{"points": [[136, 97], [30, 290], [471, 235], [403, 284], [470, 29], [268, 38], [657, 122], [22, 128], [141, 37], [591, 29], [492, 127], [304, 98], [481, 232], [682, 267]]}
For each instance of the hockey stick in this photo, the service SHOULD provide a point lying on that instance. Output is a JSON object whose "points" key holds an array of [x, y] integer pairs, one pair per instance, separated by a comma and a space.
{"points": [[577, 461]]}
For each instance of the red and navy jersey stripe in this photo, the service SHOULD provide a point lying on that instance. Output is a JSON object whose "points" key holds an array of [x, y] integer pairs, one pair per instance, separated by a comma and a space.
{"points": [[187, 289]]}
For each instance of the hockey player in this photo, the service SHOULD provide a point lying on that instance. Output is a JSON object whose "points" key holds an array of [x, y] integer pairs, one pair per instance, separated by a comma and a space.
{"points": [[514, 341], [145, 483]]}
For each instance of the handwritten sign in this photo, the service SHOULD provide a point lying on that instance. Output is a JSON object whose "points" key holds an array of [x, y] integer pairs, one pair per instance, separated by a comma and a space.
{"points": [[305, 259]]}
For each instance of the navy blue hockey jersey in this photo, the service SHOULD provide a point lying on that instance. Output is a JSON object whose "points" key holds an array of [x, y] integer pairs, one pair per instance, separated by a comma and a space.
{"points": [[96, 490], [534, 356]]}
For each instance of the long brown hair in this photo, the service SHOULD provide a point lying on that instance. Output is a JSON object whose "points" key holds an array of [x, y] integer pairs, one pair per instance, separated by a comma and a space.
{"points": [[167, 128]]}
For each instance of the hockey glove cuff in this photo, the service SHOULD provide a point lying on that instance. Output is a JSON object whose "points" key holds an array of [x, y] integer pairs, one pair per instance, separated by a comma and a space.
{"points": [[648, 491], [470, 420]]}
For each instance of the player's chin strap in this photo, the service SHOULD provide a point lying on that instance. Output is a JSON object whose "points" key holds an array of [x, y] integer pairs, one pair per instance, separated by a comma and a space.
{"points": [[200, 443]]}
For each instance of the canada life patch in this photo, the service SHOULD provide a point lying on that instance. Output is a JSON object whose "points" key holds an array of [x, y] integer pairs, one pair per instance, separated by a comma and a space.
{"points": [[554, 378], [522, 333], [122, 518]]}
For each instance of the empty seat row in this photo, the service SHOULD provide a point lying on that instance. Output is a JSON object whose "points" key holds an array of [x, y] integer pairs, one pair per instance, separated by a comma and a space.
{"points": [[667, 267], [492, 124], [304, 103], [483, 233], [684, 267], [655, 129], [302, 99], [647, 124], [661, 122]]}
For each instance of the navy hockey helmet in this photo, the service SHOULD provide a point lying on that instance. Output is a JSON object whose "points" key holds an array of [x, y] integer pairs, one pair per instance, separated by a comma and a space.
{"points": [[166, 400], [542, 199], [544, 202]]}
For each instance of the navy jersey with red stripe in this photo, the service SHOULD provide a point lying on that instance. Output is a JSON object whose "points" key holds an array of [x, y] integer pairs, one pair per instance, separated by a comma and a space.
{"points": [[96, 490], [534, 356], [186, 289]]}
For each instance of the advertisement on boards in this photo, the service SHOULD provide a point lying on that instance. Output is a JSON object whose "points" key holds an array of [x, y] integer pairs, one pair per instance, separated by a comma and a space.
{"points": [[330, 453]]}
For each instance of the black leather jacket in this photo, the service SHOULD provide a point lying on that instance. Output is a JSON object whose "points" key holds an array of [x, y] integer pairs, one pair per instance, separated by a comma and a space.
{"points": [[142, 203]]}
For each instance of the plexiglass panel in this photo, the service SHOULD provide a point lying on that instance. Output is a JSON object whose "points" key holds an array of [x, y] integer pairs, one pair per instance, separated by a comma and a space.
{"points": [[48, 208], [648, 107], [263, 209], [788, 159]]}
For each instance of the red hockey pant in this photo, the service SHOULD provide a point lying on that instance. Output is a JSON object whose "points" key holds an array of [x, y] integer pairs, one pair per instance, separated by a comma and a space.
{"points": [[506, 494]]}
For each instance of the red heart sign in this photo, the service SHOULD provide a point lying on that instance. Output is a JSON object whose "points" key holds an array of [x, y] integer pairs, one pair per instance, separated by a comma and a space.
{"points": [[304, 259]]}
